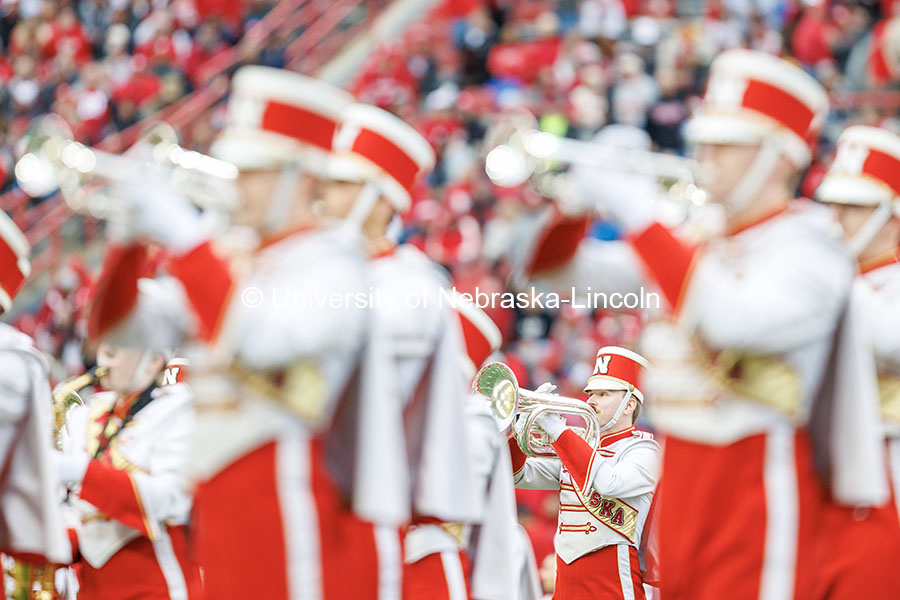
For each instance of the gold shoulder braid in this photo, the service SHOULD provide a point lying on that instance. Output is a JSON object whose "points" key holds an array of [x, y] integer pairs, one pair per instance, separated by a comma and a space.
{"points": [[765, 379], [889, 391], [299, 387], [457, 532]]}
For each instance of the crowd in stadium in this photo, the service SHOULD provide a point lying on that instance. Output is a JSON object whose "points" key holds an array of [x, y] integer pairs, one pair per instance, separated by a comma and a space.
{"points": [[577, 65]]}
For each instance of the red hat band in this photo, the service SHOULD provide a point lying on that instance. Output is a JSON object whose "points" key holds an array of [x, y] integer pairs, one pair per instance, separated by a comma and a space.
{"points": [[303, 125], [617, 369], [386, 155], [14, 267]]}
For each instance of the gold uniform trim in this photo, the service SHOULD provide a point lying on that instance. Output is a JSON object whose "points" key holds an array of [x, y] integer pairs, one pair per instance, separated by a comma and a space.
{"points": [[300, 387], [889, 392], [586, 529], [619, 511]]}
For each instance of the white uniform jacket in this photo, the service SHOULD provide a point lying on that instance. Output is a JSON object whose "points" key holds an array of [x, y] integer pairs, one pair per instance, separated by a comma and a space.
{"points": [[136, 486], [426, 341], [30, 515], [604, 493]]}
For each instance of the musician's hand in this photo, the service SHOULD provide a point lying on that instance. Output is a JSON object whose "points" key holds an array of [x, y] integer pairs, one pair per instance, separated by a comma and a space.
{"points": [[160, 213], [70, 466], [553, 425], [546, 388], [626, 197]]}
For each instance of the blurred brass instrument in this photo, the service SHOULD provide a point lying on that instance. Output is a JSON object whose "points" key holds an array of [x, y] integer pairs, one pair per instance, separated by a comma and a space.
{"points": [[52, 159], [496, 383], [517, 151], [66, 397], [33, 582]]}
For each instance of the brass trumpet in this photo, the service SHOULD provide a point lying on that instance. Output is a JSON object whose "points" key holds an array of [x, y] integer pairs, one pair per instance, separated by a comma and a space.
{"points": [[496, 383], [53, 160], [66, 397], [517, 151]]}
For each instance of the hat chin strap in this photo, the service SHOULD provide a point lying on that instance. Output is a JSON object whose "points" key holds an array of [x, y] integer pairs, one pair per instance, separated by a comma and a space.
{"points": [[139, 370], [363, 205], [615, 418], [282, 197], [870, 228], [751, 184]]}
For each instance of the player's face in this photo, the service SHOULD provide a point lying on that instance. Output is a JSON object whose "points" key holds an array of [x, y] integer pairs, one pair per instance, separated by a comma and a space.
{"points": [[605, 403], [123, 364], [338, 197], [258, 188], [723, 166], [851, 217]]}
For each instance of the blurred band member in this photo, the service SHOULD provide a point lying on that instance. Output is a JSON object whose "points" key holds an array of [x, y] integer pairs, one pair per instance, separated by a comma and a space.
{"points": [[32, 523], [861, 545], [456, 560], [126, 461], [284, 439], [378, 161], [741, 365]]}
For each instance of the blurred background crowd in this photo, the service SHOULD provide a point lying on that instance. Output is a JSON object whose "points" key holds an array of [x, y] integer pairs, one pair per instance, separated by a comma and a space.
{"points": [[106, 65]]}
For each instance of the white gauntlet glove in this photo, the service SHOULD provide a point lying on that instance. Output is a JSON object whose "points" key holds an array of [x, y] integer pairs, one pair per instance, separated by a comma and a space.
{"points": [[158, 212], [545, 388], [627, 198], [70, 466], [553, 425]]}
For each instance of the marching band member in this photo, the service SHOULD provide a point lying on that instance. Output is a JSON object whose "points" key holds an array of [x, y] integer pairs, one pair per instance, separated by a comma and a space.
{"points": [[604, 492], [862, 544], [129, 446], [288, 431], [443, 561], [33, 529], [740, 364], [377, 162]]}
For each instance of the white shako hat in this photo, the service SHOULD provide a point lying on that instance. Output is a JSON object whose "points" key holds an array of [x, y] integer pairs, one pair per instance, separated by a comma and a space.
{"points": [[276, 117], [752, 96], [618, 368], [866, 169], [14, 265], [373, 145]]}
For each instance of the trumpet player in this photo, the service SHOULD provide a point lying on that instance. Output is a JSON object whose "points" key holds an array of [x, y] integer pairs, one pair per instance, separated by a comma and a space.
{"points": [[33, 530], [861, 546], [288, 436], [743, 361], [126, 463], [605, 491]]}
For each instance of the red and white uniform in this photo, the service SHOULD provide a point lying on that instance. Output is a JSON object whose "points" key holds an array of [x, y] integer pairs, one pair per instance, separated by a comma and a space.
{"points": [[738, 369], [29, 502], [604, 497], [132, 506], [33, 526], [288, 431], [260, 461], [456, 560], [375, 148], [861, 545]]}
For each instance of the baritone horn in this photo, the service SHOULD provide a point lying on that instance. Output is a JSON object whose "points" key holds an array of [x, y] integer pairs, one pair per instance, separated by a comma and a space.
{"points": [[66, 397], [52, 160], [517, 151], [496, 383]]}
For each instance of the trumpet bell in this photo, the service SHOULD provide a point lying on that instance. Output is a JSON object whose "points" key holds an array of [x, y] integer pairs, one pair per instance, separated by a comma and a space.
{"points": [[497, 383]]}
